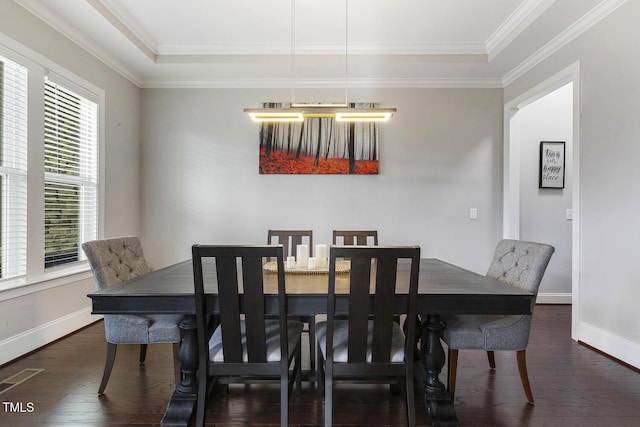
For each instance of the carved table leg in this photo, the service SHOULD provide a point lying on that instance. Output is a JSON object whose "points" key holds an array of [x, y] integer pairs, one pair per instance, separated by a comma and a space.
{"points": [[437, 402], [183, 399]]}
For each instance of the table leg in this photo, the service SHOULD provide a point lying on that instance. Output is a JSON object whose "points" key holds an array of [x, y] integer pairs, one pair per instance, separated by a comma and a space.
{"points": [[437, 402], [183, 400]]}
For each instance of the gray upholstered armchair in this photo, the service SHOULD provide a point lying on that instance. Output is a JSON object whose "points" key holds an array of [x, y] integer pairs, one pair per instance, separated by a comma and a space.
{"points": [[517, 263], [114, 261]]}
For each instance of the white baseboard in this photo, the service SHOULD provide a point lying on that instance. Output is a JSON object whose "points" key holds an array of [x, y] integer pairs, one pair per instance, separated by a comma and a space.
{"points": [[18, 345], [613, 345], [550, 298]]}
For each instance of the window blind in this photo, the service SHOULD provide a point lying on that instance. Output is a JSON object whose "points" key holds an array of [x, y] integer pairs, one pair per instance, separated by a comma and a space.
{"points": [[71, 173], [13, 169]]}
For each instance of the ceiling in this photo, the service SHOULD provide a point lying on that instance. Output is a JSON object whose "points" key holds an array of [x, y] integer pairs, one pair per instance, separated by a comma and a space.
{"points": [[328, 43]]}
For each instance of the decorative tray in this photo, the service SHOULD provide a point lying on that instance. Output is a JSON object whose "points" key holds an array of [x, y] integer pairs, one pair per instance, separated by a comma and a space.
{"points": [[342, 266]]}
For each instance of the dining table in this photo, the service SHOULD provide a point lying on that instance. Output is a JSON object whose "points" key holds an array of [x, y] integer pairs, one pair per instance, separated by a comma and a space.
{"points": [[443, 288]]}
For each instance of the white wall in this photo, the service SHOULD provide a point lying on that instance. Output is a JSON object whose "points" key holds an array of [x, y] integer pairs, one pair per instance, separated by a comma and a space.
{"points": [[609, 177], [439, 156], [37, 314], [543, 210]]}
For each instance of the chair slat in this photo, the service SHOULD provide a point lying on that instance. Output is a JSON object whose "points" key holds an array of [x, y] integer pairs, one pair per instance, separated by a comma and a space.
{"points": [[359, 308], [227, 273], [254, 309], [383, 311]]}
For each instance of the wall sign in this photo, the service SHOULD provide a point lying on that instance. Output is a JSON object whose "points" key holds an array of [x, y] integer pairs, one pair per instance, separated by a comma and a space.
{"points": [[552, 155]]}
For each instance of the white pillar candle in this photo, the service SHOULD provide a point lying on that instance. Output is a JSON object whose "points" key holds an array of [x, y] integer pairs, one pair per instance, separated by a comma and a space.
{"points": [[302, 256], [291, 262], [321, 255], [312, 263]]}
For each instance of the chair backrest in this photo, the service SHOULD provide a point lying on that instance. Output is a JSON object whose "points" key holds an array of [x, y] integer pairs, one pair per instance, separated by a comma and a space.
{"points": [[115, 260], [289, 239], [373, 284], [520, 263], [238, 294], [355, 237]]}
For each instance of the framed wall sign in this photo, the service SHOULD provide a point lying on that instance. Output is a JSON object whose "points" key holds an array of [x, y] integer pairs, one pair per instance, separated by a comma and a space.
{"points": [[552, 164]]}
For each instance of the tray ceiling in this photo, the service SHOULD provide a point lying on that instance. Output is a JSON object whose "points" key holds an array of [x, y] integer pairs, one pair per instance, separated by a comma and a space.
{"points": [[269, 43]]}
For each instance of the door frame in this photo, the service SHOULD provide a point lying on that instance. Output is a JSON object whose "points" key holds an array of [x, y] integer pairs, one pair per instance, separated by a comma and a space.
{"points": [[511, 177]]}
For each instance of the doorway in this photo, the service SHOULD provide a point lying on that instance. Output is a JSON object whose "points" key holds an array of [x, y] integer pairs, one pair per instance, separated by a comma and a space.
{"points": [[547, 112]]}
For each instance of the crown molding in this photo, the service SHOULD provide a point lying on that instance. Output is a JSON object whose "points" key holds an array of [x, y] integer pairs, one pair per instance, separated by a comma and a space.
{"points": [[424, 83], [579, 27], [519, 20], [51, 19]]}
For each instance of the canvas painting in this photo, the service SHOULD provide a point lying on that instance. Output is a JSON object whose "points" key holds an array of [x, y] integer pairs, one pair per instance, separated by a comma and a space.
{"points": [[319, 145]]}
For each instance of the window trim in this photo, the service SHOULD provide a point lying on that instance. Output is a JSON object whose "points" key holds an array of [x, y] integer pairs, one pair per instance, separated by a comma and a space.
{"points": [[37, 277]]}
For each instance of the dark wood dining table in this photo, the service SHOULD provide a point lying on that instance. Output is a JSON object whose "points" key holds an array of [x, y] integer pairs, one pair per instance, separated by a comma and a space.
{"points": [[443, 288]]}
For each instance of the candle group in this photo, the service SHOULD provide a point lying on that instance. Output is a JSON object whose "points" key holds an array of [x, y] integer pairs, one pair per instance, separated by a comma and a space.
{"points": [[303, 260]]}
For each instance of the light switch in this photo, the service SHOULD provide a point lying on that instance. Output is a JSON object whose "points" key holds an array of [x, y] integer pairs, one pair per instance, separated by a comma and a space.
{"points": [[569, 214], [473, 213]]}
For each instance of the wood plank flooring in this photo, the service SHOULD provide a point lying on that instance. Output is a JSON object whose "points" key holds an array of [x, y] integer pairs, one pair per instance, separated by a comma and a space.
{"points": [[572, 385]]}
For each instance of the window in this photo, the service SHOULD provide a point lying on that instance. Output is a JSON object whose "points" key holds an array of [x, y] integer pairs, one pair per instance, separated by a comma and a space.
{"points": [[13, 169], [51, 128], [71, 173]]}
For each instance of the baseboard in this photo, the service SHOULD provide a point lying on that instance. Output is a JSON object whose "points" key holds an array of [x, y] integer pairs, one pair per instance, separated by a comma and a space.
{"points": [[550, 298], [27, 341], [610, 344]]}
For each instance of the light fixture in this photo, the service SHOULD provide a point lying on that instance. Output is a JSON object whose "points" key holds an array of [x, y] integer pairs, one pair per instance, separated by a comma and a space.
{"points": [[297, 112]]}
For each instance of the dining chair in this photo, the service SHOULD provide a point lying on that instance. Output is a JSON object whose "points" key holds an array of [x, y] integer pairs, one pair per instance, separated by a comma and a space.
{"points": [[245, 344], [517, 263], [361, 340], [114, 261], [290, 239], [355, 237]]}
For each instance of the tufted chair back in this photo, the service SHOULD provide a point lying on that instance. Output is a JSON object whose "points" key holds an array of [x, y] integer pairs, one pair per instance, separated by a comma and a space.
{"points": [[520, 263], [115, 260]]}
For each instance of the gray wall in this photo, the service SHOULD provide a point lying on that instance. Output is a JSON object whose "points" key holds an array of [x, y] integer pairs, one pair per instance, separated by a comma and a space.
{"points": [[35, 315], [439, 156], [609, 132]]}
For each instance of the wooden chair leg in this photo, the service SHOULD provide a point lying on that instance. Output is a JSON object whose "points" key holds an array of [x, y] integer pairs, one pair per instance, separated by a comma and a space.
{"points": [[143, 352], [328, 397], [312, 343], [176, 364], [452, 369], [492, 359], [108, 366], [524, 377]]}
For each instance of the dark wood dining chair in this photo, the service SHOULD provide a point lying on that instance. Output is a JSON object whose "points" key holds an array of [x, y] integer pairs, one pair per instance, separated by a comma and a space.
{"points": [[361, 340], [355, 237], [290, 239], [518, 263], [245, 344], [112, 262]]}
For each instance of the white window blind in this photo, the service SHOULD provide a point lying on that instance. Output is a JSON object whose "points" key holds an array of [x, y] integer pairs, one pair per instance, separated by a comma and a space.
{"points": [[71, 173], [13, 169]]}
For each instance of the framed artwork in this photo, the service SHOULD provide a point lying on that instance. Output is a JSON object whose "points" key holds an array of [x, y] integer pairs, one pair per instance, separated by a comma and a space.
{"points": [[552, 155], [319, 145]]}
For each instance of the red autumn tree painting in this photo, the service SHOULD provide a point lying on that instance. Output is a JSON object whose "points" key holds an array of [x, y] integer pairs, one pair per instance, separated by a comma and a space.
{"points": [[319, 145]]}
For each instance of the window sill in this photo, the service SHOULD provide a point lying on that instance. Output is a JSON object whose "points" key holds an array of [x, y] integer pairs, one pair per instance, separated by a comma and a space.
{"points": [[53, 277]]}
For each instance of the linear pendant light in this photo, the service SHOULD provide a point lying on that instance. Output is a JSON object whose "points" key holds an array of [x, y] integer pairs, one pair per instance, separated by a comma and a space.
{"points": [[297, 112]]}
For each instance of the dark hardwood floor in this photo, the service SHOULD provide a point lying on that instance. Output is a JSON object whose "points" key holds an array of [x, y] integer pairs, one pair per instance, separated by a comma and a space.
{"points": [[572, 385]]}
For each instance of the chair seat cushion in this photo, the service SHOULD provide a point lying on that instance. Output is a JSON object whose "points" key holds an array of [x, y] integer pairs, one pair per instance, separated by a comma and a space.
{"points": [[486, 332], [272, 334], [148, 329], [341, 335]]}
